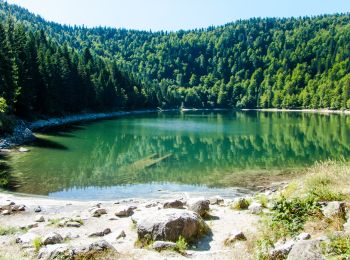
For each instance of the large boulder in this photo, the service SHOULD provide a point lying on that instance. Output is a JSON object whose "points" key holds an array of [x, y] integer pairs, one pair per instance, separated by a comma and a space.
{"points": [[170, 224], [306, 250], [200, 206]]}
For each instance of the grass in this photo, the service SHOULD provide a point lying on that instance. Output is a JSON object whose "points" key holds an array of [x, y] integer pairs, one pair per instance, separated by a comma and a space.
{"points": [[54, 222], [5, 231], [181, 245], [262, 199], [337, 248], [37, 243], [296, 209]]}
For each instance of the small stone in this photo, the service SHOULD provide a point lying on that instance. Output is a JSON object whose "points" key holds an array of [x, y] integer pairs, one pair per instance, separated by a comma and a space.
{"points": [[235, 235], [175, 204], [52, 238], [37, 209], [125, 211], [6, 212], [216, 200], [281, 251], [98, 212], [121, 235], [333, 208], [303, 236], [163, 245], [34, 225], [26, 238], [40, 218], [255, 208], [101, 233], [23, 150], [73, 224]]}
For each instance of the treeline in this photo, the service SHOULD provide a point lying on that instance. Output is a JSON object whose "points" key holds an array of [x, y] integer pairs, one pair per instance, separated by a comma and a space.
{"points": [[42, 77], [256, 63]]}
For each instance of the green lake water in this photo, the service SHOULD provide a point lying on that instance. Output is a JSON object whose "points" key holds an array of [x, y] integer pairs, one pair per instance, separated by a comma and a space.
{"points": [[152, 154]]}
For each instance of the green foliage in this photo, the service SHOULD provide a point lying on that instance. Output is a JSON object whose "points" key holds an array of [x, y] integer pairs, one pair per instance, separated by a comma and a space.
{"points": [[5, 231], [285, 63], [181, 244], [37, 243], [263, 200], [338, 247], [321, 189], [240, 204], [291, 215]]}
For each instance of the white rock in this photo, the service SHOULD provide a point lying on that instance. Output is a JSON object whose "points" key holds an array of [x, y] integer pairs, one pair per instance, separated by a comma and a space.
{"points": [[23, 150], [40, 218], [255, 208], [27, 238]]}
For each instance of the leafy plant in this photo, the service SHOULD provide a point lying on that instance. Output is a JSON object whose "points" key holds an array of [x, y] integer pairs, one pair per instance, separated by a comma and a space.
{"points": [[181, 244], [292, 214], [338, 247], [37, 243]]}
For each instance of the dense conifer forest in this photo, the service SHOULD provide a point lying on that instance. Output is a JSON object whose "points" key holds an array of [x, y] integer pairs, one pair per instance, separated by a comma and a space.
{"points": [[52, 69]]}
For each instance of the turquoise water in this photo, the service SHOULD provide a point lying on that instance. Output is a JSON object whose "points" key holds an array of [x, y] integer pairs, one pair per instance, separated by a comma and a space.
{"points": [[153, 154]]}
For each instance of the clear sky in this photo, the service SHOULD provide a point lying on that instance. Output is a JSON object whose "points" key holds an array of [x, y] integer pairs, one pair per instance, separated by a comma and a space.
{"points": [[173, 14]]}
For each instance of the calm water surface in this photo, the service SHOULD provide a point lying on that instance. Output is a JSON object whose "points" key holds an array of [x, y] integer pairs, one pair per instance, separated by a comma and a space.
{"points": [[153, 154]]}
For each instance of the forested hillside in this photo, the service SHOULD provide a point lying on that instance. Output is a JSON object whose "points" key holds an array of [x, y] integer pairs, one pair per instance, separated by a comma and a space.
{"points": [[47, 68]]}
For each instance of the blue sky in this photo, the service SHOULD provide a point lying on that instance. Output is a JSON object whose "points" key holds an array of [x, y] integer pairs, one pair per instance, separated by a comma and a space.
{"points": [[173, 14]]}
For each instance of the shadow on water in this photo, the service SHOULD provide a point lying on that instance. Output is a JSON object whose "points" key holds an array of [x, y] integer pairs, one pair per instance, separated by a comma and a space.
{"points": [[7, 179], [45, 143], [63, 131]]}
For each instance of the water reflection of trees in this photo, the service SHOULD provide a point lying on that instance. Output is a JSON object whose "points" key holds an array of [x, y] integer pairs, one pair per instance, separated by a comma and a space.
{"points": [[259, 142]]}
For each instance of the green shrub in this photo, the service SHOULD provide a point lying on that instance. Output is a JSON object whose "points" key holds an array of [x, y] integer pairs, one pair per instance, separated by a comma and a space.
{"points": [[240, 204], [181, 244], [262, 199], [37, 243], [292, 214], [4, 231], [338, 247]]}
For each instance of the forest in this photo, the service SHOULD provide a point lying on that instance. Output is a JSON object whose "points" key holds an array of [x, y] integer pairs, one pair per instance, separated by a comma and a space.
{"points": [[52, 69]]}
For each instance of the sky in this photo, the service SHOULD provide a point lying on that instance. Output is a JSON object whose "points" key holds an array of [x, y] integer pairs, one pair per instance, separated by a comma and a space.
{"points": [[172, 15]]}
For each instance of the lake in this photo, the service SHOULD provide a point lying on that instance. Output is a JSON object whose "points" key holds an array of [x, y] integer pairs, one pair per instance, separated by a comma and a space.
{"points": [[152, 155]]}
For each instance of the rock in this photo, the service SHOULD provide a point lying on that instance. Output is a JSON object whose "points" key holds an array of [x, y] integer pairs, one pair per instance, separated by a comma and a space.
{"points": [[216, 200], [74, 224], [175, 204], [23, 150], [302, 236], [333, 208], [52, 238], [163, 245], [240, 203], [306, 250], [125, 211], [347, 226], [37, 209], [57, 251], [121, 235], [281, 251], [40, 218], [29, 226], [18, 208], [235, 235], [200, 206], [255, 208], [170, 224], [6, 212], [27, 238], [101, 233], [100, 246], [98, 212]]}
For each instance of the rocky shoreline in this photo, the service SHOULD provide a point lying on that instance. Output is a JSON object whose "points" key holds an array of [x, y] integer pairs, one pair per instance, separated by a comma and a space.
{"points": [[174, 228]]}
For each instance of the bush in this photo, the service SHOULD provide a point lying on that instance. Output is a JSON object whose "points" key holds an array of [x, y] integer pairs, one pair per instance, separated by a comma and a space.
{"points": [[338, 247], [7, 123], [240, 203], [181, 244], [292, 214]]}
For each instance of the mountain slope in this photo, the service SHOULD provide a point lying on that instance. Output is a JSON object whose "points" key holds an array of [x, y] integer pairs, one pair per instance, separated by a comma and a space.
{"points": [[290, 63]]}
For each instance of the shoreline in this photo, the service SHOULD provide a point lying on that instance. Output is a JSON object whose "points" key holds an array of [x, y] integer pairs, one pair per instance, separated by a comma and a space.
{"points": [[23, 131]]}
